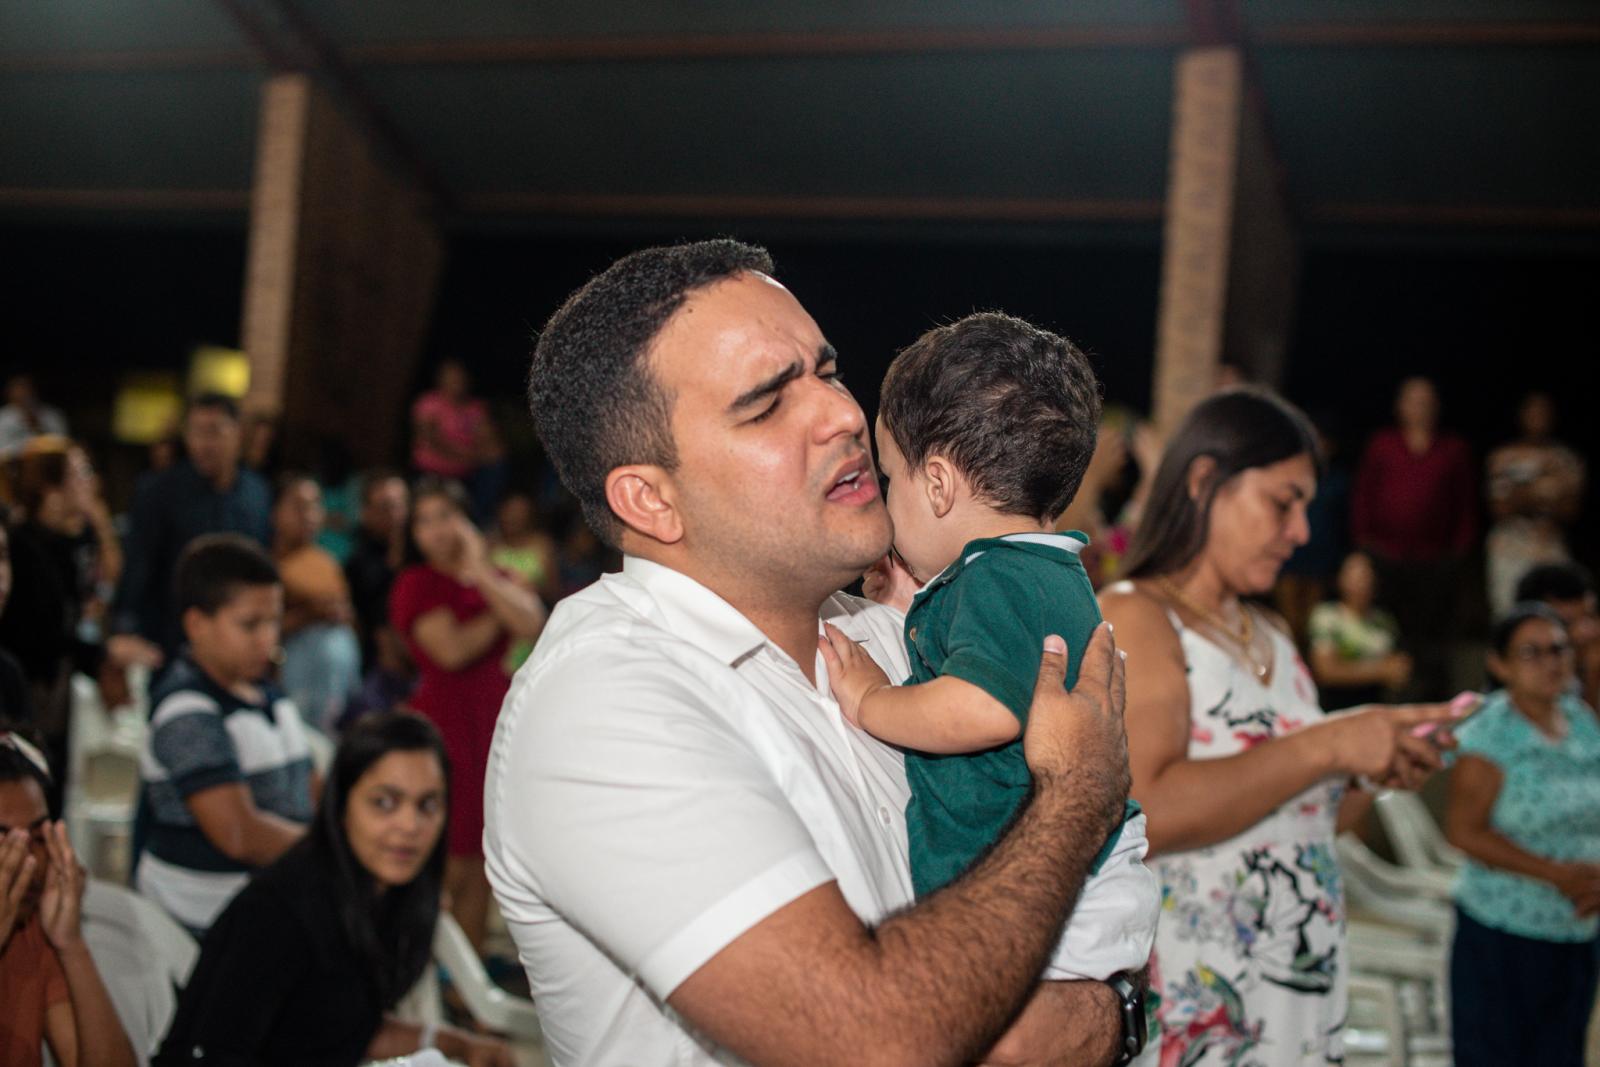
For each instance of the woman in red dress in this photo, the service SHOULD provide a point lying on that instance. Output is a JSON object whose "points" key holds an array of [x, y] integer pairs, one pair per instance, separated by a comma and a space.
{"points": [[457, 613]]}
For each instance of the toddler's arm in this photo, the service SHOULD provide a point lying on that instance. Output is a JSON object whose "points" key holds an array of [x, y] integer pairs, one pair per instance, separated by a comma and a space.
{"points": [[943, 717]]}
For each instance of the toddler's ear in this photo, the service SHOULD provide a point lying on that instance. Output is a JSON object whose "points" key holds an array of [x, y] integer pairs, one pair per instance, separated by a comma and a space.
{"points": [[942, 483]]}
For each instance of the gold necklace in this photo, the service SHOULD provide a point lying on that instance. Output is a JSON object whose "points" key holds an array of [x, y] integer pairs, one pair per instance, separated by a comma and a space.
{"points": [[1242, 637]]}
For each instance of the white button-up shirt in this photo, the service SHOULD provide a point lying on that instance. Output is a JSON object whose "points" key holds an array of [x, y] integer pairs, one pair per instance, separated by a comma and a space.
{"points": [[663, 778]]}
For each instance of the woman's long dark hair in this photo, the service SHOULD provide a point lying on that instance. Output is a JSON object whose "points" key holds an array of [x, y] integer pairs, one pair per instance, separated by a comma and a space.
{"points": [[1240, 429], [392, 934]]}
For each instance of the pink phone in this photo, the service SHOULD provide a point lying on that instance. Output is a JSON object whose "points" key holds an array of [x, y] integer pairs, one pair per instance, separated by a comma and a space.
{"points": [[1463, 707]]}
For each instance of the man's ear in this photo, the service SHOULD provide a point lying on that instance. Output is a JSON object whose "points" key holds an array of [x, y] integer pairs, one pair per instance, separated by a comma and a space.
{"points": [[644, 498], [1202, 469], [941, 482]]}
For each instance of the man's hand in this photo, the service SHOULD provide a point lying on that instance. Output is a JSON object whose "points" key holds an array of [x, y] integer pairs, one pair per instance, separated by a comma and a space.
{"points": [[1066, 1024], [852, 674], [1080, 735]]}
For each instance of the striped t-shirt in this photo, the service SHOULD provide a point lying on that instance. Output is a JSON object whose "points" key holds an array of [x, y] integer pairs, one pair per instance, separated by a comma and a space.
{"points": [[201, 736]]}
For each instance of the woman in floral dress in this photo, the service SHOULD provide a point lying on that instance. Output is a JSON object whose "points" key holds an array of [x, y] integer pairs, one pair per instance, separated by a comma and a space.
{"points": [[1243, 777]]}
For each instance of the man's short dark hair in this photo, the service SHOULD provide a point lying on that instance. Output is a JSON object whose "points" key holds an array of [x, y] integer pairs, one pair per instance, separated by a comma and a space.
{"points": [[595, 402], [1549, 582], [214, 567], [216, 402], [1014, 407]]}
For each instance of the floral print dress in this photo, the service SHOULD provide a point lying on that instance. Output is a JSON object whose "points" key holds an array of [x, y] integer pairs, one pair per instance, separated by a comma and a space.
{"points": [[1249, 968]]}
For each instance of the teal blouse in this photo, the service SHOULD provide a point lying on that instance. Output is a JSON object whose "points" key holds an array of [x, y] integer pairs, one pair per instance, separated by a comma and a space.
{"points": [[1549, 805]]}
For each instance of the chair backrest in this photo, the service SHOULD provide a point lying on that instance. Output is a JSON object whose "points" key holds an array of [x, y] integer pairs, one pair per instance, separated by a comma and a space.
{"points": [[1394, 894], [1412, 830], [488, 1003], [143, 956]]}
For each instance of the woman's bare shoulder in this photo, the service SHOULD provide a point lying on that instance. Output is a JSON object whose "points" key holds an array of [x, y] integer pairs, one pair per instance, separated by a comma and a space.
{"points": [[1137, 612]]}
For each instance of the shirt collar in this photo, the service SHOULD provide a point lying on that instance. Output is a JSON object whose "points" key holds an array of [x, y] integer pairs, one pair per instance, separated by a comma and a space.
{"points": [[1071, 542], [691, 611]]}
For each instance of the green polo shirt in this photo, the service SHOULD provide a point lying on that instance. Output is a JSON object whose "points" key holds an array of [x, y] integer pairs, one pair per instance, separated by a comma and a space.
{"points": [[984, 619]]}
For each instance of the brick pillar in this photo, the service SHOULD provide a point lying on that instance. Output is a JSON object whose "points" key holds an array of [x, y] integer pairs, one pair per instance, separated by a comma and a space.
{"points": [[343, 265], [1230, 260]]}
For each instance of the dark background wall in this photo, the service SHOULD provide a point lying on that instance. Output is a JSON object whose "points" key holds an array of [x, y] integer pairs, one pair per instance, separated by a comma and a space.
{"points": [[84, 304]]}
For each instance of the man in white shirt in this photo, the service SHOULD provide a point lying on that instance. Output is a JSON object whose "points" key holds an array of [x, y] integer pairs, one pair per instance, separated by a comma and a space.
{"points": [[699, 859]]}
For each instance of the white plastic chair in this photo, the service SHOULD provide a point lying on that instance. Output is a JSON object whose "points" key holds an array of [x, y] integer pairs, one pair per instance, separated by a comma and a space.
{"points": [[103, 768], [143, 956], [1376, 1036], [1417, 899], [490, 1005], [1418, 841]]}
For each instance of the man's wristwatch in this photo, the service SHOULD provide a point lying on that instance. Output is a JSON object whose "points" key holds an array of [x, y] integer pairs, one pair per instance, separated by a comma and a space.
{"points": [[1130, 992]]}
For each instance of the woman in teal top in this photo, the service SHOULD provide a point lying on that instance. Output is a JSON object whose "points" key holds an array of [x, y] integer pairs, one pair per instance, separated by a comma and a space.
{"points": [[1525, 808]]}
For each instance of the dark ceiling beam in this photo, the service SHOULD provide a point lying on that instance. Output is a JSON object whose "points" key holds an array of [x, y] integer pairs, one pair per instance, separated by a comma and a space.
{"points": [[843, 208], [1427, 34], [847, 208], [186, 200], [129, 61], [612, 47], [622, 47], [1479, 216], [289, 41]]}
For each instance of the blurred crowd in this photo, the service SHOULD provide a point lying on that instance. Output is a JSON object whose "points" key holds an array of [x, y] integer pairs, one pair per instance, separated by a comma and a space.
{"points": [[276, 612]]}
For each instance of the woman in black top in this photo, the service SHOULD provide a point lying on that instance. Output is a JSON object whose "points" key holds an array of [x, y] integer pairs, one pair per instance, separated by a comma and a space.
{"points": [[305, 963], [66, 560]]}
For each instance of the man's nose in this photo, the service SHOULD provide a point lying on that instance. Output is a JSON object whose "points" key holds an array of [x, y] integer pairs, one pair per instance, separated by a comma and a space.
{"points": [[838, 413]]}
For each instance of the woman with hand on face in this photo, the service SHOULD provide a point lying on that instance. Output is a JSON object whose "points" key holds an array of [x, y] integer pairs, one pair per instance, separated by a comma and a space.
{"points": [[1525, 808], [457, 614], [50, 990], [1241, 774], [307, 961]]}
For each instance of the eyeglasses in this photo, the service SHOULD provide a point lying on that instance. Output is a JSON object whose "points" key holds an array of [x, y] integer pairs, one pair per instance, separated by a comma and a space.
{"points": [[1535, 653]]}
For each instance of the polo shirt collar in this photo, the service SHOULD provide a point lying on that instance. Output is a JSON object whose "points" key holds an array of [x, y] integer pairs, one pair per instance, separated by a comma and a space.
{"points": [[691, 611], [1071, 542]]}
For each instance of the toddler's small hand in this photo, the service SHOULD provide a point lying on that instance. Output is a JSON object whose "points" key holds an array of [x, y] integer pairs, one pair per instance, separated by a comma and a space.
{"points": [[851, 672], [890, 582]]}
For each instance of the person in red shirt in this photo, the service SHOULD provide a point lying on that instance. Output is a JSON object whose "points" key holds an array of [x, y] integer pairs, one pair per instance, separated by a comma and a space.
{"points": [[1414, 509], [457, 614], [51, 993]]}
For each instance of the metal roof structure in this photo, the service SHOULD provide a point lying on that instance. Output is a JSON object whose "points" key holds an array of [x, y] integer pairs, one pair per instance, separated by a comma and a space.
{"points": [[1392, 120]]}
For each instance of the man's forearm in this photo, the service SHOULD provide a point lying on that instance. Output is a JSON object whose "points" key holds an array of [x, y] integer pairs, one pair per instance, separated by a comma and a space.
{"points": [[969, 956]]}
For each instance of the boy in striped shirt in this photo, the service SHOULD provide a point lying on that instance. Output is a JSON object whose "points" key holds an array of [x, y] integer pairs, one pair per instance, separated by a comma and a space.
{"points": [[226, 771]]}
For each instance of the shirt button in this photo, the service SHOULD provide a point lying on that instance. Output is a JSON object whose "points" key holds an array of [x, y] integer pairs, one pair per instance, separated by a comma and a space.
{"points": [[884, 817]]}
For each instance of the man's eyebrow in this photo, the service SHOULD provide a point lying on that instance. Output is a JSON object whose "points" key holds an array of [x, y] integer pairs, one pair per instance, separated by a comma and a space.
{"points": [[768, 387], [826, 354]]}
